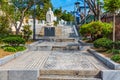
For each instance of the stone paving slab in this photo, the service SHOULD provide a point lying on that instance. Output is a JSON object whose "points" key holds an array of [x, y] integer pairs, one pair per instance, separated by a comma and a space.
{"points": [[73, 60], [32, 60]]}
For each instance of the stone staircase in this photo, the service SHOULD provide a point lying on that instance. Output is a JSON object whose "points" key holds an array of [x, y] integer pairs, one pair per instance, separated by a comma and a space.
{"points": [[57, 44], [69, 75], [53, 71]]}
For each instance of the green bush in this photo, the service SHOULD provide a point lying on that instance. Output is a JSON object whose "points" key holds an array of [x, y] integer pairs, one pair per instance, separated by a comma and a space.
{"points": [[117, 45], [116, 58], [103, 43], [14, 41], [96, 30], [5, 46], [13, 49], [116, 51], [10, 49], [15, 36], [20, 48]]}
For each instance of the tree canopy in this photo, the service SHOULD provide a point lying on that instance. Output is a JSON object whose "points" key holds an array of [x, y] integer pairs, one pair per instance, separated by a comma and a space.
{"points": [[19, 9], [63, 15], [111, 5]]}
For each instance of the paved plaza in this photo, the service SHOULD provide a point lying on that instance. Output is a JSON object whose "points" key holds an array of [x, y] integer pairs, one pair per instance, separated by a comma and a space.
{"points": [[45, 57], [60, 57]]}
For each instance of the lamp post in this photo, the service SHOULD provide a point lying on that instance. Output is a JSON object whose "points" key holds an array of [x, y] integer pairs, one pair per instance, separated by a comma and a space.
{"points": [[34, 16], [77, 11], [85, 10], [34, 19]]}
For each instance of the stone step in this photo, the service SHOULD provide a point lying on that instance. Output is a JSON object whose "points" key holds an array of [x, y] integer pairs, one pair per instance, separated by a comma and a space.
{"points": [[54, 48], [65, 40], [62, 77], [44, 48], [85, 73]]}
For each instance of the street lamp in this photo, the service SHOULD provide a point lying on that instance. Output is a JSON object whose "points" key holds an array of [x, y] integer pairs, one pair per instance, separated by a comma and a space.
{"points": [[34, 17], [77, 12], [77, 5]]}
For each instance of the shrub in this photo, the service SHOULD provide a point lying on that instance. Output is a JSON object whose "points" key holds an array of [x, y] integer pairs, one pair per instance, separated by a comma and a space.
{"points": [[20, 48], [116, 58], [103, 43], [10, 49], [14, 41], [117, 45], [14, 36], [116, 51], [5, 46], [96, 29]]}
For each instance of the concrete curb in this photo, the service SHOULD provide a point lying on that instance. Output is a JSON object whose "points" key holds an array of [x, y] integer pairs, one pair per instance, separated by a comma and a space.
{"points": [[15, 55], [107, 61], [11, 57]]}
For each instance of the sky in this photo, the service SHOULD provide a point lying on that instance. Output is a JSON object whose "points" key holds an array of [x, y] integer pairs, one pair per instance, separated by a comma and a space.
{"points": [[65, 4]]}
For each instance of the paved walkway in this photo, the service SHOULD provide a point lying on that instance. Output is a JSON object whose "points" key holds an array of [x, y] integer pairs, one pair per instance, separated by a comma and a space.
{"points": [[32, 60], [73, 60], [35, 60]]}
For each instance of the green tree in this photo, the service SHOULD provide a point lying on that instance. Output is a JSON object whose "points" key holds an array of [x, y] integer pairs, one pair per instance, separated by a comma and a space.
{"points": [[26, 32], [58, 13], [4, 26], [67, 16], [41, 13], [112, 6], [16, 11], [19, 9]]}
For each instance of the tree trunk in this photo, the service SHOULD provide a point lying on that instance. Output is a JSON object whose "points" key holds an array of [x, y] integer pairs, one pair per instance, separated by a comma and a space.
{"points": [[98, 11], [17, 31], [20, 25], [114, 27], [113, 30], [21, 21]]}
